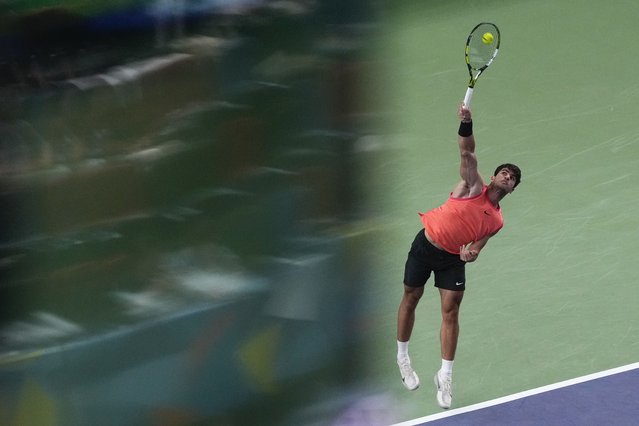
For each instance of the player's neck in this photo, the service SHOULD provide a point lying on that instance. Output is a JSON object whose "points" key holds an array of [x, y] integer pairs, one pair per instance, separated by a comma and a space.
{"points": [[495, 194]]}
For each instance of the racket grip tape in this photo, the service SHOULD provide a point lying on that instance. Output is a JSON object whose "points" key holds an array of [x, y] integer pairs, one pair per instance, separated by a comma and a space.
{"points": [[468, 97]]}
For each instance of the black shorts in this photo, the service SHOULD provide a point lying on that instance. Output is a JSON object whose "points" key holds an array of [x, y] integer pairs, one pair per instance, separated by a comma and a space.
{"points": [[424, 258]]}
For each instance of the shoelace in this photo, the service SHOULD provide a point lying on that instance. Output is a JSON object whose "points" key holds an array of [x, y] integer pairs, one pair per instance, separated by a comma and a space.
{"points": [[445, 385], [405, 367]]}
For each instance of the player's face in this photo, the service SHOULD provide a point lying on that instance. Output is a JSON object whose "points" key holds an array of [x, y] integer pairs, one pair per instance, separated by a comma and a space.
{"points": [[505, 179]]}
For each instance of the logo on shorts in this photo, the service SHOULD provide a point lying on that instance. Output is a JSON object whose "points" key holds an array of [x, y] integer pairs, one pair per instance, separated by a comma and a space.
{"points": [[461, 283]]}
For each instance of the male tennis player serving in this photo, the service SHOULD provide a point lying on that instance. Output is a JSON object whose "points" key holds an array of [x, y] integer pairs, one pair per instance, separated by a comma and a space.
{"points": [[453, 234]]}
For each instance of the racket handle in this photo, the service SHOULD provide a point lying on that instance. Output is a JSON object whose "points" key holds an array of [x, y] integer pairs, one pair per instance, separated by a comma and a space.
{"points": [[468, 97]]}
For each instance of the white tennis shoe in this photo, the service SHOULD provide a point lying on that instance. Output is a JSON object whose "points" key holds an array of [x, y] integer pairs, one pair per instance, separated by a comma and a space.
{"points": [[444, 384], [409, 377]]}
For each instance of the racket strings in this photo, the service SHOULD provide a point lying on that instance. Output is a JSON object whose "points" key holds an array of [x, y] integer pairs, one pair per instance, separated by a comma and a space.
{"points": [[480, 54]]}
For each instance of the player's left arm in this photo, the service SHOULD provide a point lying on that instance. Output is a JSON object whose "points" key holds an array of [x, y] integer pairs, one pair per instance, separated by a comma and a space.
{"points": [[470, 253]]}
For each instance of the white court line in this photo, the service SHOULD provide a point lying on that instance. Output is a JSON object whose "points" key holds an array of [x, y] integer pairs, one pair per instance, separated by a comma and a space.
{"points": [[519, 395]]}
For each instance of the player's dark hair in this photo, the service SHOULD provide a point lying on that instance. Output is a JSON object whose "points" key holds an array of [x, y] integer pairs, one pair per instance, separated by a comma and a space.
{"points": [[512, 169]]}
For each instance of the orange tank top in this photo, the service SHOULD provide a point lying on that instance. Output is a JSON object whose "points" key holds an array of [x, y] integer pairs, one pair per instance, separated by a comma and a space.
{"points": [[460, 221]]}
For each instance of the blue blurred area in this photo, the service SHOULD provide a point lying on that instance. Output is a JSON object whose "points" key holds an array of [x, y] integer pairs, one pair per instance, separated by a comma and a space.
{"points": [[181, 212]]}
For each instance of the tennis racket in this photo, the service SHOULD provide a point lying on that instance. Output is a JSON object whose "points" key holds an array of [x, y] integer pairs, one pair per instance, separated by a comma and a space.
{"points": [[482, 46]]}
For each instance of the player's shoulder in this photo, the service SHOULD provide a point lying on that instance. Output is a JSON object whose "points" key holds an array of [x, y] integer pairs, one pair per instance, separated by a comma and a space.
{"points": [[465, 189]]}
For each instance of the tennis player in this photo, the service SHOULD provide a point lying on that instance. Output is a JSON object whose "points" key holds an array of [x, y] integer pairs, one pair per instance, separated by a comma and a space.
{"points": [[452, 235]]}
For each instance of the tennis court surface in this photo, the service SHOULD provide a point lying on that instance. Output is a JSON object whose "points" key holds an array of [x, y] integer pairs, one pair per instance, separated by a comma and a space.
{"points": [[606, 398]]}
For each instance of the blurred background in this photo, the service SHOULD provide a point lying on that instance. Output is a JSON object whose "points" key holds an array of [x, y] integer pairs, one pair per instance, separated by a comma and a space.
{"points": [[182, 205]]}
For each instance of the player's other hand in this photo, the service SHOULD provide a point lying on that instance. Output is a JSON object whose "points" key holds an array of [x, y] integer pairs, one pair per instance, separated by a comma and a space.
{"points": [[464, 113], [467, 255]]}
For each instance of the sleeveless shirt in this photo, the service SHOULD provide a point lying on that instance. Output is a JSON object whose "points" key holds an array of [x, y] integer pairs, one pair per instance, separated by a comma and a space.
{"points": [[460, 221]]}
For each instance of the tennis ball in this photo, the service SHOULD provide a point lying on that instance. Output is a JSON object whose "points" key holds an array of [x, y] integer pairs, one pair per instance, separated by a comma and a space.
{"points": [[487, 38]]}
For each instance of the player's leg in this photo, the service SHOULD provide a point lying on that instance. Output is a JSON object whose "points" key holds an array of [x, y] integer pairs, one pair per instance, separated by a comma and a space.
{"points": [[449, 334], [406, 314], [416, 273], [405, 323]]}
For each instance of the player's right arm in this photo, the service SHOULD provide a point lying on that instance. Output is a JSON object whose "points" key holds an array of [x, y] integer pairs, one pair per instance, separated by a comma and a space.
{"points": [[471, 183]]}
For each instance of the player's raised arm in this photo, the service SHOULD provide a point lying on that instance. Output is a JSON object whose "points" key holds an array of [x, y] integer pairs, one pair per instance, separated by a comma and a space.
{"points": [[471, 183]]}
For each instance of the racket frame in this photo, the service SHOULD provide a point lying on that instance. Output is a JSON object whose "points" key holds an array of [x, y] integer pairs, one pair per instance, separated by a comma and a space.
{"points": [[473, 78]]}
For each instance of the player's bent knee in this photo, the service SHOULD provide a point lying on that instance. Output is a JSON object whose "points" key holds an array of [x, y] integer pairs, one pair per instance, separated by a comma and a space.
{"points": [[412, 295]]}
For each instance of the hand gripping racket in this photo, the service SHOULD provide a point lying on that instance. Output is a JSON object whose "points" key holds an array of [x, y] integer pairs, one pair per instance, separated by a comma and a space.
{"points": [[482, 46]]}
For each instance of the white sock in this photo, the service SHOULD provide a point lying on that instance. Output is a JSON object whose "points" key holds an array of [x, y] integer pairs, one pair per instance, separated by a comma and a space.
{"points": [[447, 367], [402, 349]]}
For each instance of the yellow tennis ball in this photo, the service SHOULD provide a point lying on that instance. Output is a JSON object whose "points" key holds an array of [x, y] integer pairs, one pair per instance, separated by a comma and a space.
{"points": [[487, 38]]}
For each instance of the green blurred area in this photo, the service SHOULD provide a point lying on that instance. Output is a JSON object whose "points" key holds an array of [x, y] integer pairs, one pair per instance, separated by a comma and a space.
{"points": [[182, 221]]}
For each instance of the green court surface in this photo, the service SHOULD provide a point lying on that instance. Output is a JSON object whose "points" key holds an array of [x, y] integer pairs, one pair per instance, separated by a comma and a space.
{"points": [[554, 295]]}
